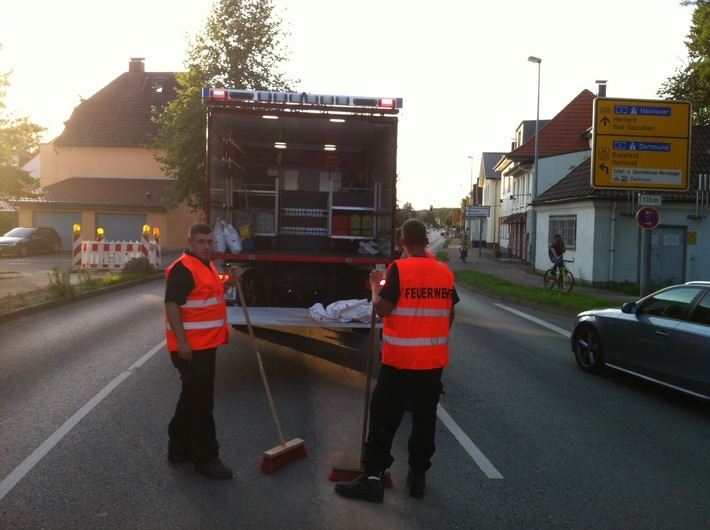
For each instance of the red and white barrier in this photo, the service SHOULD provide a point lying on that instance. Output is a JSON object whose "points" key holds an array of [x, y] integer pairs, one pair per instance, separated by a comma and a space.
{"points": [[76, 249], [109, 254], [114, 255]]}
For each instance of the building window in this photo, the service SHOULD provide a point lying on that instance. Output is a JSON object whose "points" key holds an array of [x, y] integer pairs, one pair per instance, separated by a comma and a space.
{"points": [[566, 226]]}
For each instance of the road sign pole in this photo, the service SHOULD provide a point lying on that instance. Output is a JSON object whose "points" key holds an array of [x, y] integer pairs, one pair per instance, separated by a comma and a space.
{"points": [[645, 263]]}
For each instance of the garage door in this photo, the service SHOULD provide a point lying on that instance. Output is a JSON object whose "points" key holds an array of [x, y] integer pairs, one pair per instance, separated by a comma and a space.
{"points": [[62, 222], [121, 227]]}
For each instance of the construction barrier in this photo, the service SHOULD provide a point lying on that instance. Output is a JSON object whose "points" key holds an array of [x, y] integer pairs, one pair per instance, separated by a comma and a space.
{"points": [[156, 238], [114, 255], [76, 249]]}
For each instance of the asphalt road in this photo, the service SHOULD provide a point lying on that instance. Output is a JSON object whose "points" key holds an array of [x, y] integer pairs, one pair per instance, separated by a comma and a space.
{"points": [[18, 274], [525, 440]]}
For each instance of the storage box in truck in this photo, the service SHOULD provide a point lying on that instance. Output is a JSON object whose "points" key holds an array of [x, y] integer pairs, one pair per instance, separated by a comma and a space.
{"points": [[308, 184]]}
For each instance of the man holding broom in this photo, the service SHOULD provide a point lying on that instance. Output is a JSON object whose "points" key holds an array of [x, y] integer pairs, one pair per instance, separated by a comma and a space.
{"points": [[417, 304], [196, 323]]}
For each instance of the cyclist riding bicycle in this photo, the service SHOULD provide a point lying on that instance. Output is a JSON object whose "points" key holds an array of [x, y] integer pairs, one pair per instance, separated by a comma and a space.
{"points": [[555, 251]]}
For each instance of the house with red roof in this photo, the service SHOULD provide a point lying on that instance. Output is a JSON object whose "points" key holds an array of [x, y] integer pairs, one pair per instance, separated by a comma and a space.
{"points": [[564, 142], [604, 236], [600, 228], [100, 173]]}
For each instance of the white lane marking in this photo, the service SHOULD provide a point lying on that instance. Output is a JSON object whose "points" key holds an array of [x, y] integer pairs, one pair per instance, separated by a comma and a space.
{"points": [[31, 461], [463, 439], [467, 444], [537, 321]]}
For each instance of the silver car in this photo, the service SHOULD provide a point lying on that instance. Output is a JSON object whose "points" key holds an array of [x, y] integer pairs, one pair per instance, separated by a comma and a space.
{"points": [[663, 338]]}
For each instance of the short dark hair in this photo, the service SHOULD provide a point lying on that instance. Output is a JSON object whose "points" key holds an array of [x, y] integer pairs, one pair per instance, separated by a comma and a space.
{"points": [[200, 228], [414, 232]]}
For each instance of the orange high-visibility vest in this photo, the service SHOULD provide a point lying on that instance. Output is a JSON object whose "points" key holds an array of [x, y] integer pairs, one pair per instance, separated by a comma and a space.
{"points": [[204, 313], [416, 334]]}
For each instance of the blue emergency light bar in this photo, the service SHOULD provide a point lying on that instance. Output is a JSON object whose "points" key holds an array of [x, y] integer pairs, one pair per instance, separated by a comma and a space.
{"points": [[264, 96]]}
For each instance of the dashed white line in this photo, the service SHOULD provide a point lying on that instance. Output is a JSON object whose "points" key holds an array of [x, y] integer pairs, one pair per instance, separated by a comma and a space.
{"points": [[31, 461], [470, 447], [537, 321], [463, 439]]}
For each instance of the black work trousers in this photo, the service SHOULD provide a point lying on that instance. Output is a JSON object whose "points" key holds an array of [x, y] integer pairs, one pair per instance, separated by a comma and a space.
{"points": [[192, 429], [396, 389]]}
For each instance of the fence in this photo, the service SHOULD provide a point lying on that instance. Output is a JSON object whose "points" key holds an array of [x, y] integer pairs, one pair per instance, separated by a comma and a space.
{"points": [[114, 255]]}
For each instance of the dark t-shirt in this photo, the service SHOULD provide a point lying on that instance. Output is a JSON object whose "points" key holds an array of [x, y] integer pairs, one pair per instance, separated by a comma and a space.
{"points": [[558, 250], [180, 282], [390, 290]]}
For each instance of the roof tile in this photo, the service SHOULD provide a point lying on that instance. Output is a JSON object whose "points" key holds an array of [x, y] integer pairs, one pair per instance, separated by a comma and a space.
{"points": [[120, 114], [576, 185], [565, 133], [105, 192]]}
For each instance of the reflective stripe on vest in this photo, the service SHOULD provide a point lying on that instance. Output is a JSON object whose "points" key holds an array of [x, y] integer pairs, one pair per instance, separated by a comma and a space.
{"points": [[202, 303], [420, 312], [427, 341], [200, 325]]}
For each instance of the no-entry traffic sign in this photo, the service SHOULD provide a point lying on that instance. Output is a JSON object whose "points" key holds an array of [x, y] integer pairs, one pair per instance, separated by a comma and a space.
{"points": [[648, 218]]}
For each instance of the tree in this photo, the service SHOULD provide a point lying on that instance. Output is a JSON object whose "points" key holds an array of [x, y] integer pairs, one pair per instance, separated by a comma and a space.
{"points": [[241, 47], [692, 81], [19, 139], [404, 213]]}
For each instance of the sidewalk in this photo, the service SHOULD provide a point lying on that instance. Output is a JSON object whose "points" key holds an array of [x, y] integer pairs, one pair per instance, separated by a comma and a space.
{"points": [[516, 271]]}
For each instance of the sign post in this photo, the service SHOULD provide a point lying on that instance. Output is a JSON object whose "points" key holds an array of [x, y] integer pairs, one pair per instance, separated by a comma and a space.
{"points": [[648, 219], [478, 211]]}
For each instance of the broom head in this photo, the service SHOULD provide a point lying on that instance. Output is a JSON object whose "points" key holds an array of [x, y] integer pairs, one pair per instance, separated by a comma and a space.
{"points": [[282, 455]]}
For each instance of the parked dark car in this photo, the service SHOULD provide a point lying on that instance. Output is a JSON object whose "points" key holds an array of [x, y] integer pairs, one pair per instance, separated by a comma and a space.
{"points": [[663, 338], [25, 241]]}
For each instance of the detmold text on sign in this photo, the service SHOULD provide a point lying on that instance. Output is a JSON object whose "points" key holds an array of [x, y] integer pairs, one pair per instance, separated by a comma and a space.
{"points": [[641, 144]]}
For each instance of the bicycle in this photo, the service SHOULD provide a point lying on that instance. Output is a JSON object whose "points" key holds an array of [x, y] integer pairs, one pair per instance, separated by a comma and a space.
{"points": [[564, 278]]}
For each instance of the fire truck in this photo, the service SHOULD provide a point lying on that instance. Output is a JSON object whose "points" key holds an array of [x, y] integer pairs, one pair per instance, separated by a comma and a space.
{"points": [[308, 181]]}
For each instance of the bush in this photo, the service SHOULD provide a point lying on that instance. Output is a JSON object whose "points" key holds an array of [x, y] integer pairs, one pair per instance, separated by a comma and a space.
{"points": [[138, 267], [60, 285]]}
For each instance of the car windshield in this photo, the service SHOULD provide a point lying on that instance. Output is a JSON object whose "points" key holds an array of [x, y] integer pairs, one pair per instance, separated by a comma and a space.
{"points": [[19, 232], [670, 303]]}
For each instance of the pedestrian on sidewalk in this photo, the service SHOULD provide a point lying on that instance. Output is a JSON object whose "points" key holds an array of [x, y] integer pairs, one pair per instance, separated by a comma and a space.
{"points": [[196, 323], [417, 304]]}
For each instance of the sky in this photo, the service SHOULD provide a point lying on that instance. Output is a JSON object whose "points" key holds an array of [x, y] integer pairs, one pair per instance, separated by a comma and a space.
{"points": [[461, 66]]}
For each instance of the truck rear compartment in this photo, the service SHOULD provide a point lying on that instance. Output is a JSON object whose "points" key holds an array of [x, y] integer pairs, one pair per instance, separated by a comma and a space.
{"points": [[311, 193]]}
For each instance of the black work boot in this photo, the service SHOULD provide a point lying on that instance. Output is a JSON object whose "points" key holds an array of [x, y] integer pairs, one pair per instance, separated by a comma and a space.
{"points": [[214, 469], [367, 486], [416, 480]]}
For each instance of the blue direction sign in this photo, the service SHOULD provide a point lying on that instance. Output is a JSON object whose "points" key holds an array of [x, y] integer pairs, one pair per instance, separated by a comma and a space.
{"points": [[648, 218], [477, 211]]}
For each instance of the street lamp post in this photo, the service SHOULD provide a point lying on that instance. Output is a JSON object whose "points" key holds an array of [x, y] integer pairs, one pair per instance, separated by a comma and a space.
{"points": [[470, 202], [533, 187]]}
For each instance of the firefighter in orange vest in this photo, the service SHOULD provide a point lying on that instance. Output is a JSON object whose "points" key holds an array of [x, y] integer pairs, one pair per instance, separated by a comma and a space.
{"points": [[417, 303], [196, 323]]}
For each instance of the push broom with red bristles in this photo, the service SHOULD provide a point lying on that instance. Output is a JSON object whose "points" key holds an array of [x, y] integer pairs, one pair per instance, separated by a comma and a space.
{"points": [[345, 474], [288, 451]]}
